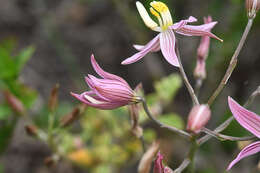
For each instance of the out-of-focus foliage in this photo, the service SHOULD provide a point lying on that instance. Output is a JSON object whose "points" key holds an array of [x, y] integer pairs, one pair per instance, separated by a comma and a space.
{"points": [[10, 67]]}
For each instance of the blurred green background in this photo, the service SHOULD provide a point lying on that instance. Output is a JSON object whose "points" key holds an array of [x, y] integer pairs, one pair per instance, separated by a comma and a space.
{"points": [[44, 42]]}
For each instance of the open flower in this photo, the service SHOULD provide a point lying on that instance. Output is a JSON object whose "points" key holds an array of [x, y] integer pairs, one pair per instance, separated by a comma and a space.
{"points": [[165, 40], [251, 122], [110, 92]]}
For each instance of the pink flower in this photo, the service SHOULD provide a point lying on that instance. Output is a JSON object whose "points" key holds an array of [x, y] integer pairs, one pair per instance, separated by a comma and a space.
{"points": [[251, 122], [202, 53], [110, 92], [165, 40]]}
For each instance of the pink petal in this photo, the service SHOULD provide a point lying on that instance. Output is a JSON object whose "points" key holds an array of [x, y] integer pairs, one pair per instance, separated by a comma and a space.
{"points": [[167, 42], [200, 30], [249, 120], [146, 49], [181, 23], [104, 74], [105, 105], [141, 47], [247, 151]]}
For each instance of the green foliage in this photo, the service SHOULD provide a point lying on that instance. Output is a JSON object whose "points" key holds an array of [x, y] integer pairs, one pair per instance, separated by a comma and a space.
{"points": [[5, 135], [167, 87], [4, 111], [172, 119]]}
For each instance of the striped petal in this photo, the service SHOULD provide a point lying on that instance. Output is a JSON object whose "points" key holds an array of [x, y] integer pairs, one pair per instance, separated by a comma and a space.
{"points": [[200, 30], [154, 43], [167, 43], [180, 24], [103, 73], [247, 151], [249, 120]]}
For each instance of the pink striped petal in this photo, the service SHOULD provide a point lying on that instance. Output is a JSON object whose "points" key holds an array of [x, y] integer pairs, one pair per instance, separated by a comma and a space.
{"points": [[167, 42], [102, 105], [141, 47], [200, 30], [103, 73], [247, 151], [249, 120], [146, 49], [181, 23]]}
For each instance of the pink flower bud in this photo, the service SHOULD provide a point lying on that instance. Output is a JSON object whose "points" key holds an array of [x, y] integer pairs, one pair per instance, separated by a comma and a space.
{"points": [[252, 6], [198, 118], [200, 70], [158, 165]]}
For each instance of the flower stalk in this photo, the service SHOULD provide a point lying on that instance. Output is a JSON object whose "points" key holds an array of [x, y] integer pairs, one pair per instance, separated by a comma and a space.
{"points": [[232, 64]]}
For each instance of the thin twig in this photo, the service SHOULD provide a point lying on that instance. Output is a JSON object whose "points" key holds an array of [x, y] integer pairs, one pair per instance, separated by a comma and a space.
{"points": [[183, 165], [226, 137], [185, 79], [232, 63], [224, 125], [171, 128]]}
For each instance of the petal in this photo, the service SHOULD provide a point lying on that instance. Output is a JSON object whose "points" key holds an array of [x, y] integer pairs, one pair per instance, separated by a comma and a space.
{"points": [[154, 43], [145, 16], [167, 43], [181, 23], [141, 47], [100, 104], [249, 120], [200, 30], [247, 151], [104, 74]]}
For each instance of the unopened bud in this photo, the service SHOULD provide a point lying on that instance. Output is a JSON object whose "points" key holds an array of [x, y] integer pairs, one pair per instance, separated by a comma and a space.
{"points": [[147, 159], [198, 118], [16, 105], [31, 130], [70, 118], [53, 100], [200, 69], [252, 6]]}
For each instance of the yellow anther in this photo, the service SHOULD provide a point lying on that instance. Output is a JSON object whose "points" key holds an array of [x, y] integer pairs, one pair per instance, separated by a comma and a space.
{"points": [[154, 12], [159, 6]]}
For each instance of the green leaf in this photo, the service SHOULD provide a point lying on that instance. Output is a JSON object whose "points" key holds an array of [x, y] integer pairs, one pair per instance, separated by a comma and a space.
{"points": [[167, 87], [1, 168], [172, 119], [5, 135], [7, 65], [4, 112], [23, 57]]}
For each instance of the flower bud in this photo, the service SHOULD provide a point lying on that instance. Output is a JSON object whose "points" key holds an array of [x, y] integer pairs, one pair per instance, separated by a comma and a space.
{"points": [[198, 118], [147, 159], [200, 70], [53, 100], [70, 118], [31, 130], [16, 105], [252, 6]]}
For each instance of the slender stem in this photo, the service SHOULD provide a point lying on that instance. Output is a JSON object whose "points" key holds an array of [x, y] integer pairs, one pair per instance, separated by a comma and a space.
{"points": [[171, 128], [226, 137], [224, 125], [143, 143], [192, 152], [185, 79], [183, 165], [198, 86], [232, 63]]}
